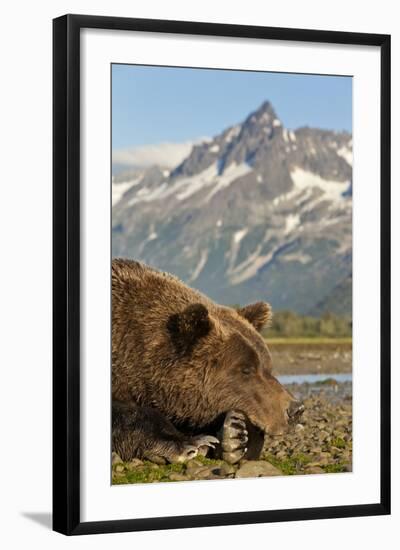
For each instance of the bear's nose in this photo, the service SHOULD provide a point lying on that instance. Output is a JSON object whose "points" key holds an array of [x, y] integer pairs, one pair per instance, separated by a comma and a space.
{"points": [[296, 409]]}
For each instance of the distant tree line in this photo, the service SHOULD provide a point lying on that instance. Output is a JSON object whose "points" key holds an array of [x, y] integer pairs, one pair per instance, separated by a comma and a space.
{"points": [[290, 324]]}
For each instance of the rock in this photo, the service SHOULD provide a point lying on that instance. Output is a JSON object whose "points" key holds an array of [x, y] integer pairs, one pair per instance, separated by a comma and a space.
{"points": [[191, 464], [224, 470], [325, 454], [314, 470], [175, 476], [341, 423], [205, 472], [134, 463], [281, 454], [119, 468], [321, 461], [198, 472], [257, 468], [319, 446], [116, 459], [335, 451], [156, 459]]}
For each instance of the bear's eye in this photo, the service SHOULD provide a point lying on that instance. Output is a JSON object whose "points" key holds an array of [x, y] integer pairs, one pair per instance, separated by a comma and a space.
{"points": [[247, 370]]}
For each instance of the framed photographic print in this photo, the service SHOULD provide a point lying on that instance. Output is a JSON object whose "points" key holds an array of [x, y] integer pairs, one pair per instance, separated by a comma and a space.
{"points": [[221, 274]]}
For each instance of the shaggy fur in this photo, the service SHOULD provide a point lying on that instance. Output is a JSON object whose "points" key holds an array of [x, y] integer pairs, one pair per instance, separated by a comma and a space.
{"points": [[180, 362]]}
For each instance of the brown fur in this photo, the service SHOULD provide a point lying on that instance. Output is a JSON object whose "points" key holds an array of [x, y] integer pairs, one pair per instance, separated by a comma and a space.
{"points": [[176, 351]]}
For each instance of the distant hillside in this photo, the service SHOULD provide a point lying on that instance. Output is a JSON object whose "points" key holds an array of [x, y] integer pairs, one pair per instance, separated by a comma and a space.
{"points": [[338, 301]]}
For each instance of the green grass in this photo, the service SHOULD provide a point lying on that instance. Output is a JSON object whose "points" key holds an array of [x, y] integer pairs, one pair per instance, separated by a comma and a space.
{"points": [[334, 468], [338, 442], [208, 461], [290, 465], [296, 463], [146, 473]]}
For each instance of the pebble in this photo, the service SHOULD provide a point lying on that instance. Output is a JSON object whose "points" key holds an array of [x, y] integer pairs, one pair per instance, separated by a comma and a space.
{"points": [[328, 416], [157, 460], [315, 470], [199, 472], [175, 476], [257, 468], [134, 463], [281, 454], [116, 459], [224, 470]]}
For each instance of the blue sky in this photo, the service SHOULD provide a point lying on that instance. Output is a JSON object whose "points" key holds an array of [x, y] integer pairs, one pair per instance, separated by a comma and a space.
{"points": [[152, 105]]}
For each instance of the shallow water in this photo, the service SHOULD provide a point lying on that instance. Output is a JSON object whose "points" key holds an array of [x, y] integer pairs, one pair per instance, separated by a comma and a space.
{"points": [[314, 378]]}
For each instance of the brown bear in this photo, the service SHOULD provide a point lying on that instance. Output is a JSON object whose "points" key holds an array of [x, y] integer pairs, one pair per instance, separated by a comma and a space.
{"points": [[189, 376]]}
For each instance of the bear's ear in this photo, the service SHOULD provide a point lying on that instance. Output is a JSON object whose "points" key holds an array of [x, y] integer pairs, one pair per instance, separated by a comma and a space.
{"points": [[187, 327], [258, 314]]}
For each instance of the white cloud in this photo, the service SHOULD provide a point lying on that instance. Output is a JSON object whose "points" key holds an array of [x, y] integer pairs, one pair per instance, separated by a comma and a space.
{"points": [[164, 154]]}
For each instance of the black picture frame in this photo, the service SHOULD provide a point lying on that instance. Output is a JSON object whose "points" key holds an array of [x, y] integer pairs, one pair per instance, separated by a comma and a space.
{"points": [[66, 273]]}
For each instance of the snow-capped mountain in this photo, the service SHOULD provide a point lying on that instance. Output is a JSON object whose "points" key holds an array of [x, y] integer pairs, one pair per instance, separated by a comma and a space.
{"points": [[257, 212]]}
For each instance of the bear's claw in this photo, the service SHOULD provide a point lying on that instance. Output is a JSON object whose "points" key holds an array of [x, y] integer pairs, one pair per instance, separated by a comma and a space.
{"points": [[198, 445], [204, 443], [187, 453], [234, 437], [205, 440]]}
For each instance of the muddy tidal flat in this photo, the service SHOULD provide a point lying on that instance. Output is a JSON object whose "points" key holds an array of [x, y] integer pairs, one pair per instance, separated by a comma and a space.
{"points": [[321, 443], [311, 357]]}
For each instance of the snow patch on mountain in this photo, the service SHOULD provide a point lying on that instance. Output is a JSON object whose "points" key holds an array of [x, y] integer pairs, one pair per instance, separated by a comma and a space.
{"points": [[347, 154], [232, 133], [273, 204], [189, 186], [291, 222], [257, 263], [145, 194], [232, 173], [200, 266], [119, 189], [297, 257], [152, 236], [333, 190], [299, 194], [239, 235]]}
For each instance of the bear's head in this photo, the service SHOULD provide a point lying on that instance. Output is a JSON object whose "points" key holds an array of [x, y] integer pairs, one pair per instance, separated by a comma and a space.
{"points": [[225, 364]]}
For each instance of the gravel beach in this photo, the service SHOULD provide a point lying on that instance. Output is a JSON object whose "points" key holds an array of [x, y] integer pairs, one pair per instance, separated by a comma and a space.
{"points": [[321, 444]]}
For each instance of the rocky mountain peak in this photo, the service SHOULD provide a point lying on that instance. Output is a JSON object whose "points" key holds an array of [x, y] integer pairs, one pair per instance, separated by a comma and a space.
{"points": [[257, 212], [265, 115]]}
